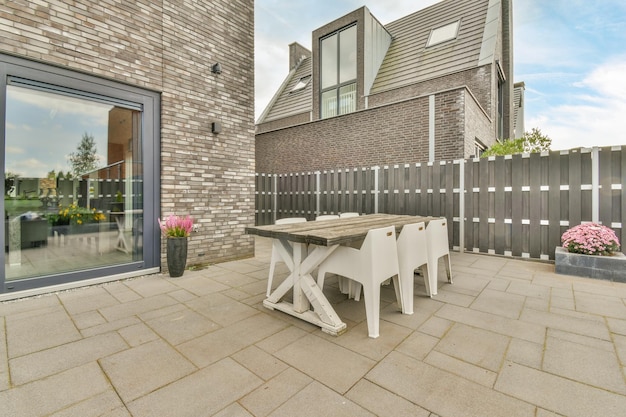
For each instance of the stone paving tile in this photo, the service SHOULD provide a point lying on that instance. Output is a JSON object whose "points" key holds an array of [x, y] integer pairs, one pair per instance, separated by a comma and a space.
{"points": [[154, 285], [136, 307], [503, 325], [382, 402], [588, 327], [608, 306], [88, 319], [233, 410], [484, 348], [261, 363], [121, 291], [221, 343], [198, 284], [108, 327], [106, 404], [499, 303], [48, 362], [182, 326], [221, 309], [46, 396], [38, 332], [275, 392], [356, 339], [4, 359], [598, 367], [317, 400], [202, 393], [133, 376], [558, 394], [525, 353], [436, 326], [90, 299], [137, 334], [417, 345], [617, 325], [469, 371], [332, 365], [442, 392]]}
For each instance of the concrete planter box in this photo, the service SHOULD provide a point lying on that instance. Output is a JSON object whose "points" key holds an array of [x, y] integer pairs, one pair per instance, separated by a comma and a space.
{"points": [[611, 268]]}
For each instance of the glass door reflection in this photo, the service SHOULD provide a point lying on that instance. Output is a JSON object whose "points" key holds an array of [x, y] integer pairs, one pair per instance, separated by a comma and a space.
{"points": [[73, 183]]}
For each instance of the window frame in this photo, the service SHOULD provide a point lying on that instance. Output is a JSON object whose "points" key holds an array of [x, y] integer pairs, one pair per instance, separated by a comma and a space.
{"points": [[339, 84], [60, 79]]}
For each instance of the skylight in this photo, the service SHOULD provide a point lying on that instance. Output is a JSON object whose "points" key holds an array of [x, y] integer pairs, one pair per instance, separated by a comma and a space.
{"points": [[301, 84], [443, 33]]}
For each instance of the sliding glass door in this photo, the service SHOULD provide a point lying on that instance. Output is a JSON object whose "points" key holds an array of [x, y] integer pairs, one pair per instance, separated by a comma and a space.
{"points": [[74, 189]]}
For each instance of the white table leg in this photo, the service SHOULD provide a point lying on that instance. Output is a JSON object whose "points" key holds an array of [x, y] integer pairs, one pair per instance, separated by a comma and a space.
{"points": [[305, 289]]}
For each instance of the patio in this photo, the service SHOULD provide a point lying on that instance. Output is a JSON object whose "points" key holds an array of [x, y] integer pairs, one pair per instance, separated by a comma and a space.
{"points": [[508, 338]]}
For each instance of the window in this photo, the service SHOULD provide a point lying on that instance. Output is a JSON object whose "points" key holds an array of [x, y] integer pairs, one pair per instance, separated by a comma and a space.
{"points": [[479, 148], [443, 33], [338, 73], [80, 163], [301, 84]]}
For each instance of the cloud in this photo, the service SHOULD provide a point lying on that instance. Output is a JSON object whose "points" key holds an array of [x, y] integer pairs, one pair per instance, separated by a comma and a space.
{"points": [[593, 116]]}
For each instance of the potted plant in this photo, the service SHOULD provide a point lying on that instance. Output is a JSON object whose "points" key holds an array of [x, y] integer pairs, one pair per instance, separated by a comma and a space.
{"points": [[177, 230], [591, 250]]}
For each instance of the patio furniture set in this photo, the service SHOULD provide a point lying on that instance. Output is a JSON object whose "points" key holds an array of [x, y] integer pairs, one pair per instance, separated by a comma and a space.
{"points": [[364, 251]]}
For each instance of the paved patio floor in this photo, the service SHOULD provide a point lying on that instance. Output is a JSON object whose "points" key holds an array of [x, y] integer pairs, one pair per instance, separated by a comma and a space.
{"points": [[508, 338]]}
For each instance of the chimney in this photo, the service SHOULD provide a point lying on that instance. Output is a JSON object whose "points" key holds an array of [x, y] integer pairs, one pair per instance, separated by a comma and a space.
{"points": [[297, 53]]}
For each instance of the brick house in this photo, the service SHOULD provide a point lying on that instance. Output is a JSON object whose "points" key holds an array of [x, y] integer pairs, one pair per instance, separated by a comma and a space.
{"points": [[434, 85], [166, 91]]}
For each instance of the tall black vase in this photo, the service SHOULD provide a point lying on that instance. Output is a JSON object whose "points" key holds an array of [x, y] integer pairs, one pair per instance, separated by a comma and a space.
{"points": [[176, 255]]}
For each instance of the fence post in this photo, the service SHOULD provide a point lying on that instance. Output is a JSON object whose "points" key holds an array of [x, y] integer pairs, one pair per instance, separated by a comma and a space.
{"points": [[462, 205], [317, 192], [376, 190], [595, 184], [274, 197]]}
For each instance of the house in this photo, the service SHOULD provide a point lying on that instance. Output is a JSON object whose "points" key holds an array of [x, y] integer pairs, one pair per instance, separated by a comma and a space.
{"points": [[434, 85], [166, 91]]}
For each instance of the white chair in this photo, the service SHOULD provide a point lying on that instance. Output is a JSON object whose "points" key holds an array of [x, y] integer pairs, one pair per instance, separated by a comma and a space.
{"points": [[327, 217], [348, 214], [375, 262], [437, 239], [275, 255], [412, 254]]}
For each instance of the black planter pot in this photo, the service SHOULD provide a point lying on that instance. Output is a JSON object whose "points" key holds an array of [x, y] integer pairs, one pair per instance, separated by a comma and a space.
{"points": [[176, 255]]}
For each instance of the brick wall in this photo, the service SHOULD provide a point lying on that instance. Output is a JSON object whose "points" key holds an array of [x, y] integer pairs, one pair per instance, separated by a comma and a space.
{"points": [[169, 47], [391, 134]]}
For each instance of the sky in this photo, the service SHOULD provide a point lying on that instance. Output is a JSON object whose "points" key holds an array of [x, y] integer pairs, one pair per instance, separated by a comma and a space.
{"points": [[42, 130], [571, 55]]}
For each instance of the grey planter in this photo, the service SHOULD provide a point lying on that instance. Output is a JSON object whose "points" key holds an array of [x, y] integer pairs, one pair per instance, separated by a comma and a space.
{"points": [[610, 268], [176, 256]]}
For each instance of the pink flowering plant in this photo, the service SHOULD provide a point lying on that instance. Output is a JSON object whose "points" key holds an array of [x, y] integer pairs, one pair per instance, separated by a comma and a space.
{"points": [[175, 226], [590, 239]]}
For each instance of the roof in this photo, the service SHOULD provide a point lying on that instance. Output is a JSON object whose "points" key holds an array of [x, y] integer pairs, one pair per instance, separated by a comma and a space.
{"points": [[408, 60]]}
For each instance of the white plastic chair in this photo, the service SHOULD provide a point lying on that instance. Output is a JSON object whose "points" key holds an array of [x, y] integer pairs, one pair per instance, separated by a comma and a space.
{"points": [[275, 255], [375, 262], [348, 214], [327, 217], [437, 239], [412, 254]]}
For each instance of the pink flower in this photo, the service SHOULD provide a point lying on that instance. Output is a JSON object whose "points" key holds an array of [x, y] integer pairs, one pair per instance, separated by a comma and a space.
{"points": [[175, 226], [590, 239]]}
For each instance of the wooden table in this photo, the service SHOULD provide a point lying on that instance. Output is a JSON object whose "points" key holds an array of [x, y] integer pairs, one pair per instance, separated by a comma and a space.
{"points": [[304, 246]]}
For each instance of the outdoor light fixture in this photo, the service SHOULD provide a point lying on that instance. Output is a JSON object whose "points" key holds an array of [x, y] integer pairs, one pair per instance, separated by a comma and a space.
{"points": [[216, 68], [216, 127]]}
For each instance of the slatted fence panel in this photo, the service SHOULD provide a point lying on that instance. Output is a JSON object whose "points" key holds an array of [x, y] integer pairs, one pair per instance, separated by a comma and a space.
{"points": [[513, 206]]}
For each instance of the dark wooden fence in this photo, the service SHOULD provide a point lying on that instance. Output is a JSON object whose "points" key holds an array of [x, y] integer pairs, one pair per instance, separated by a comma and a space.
{"points": [[516, 205]]}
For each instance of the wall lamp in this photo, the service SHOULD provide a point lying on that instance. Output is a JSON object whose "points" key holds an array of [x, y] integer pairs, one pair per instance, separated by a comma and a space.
{"points": [[216, 68]]}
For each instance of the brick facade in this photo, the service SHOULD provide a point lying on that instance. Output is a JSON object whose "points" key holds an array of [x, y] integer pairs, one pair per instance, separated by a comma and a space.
{"points": [[385, 135], [168, 47]]}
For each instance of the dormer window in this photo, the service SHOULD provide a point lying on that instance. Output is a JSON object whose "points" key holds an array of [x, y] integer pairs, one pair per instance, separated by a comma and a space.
{"points": [[443, 33], [338, 64], [301, 84]]}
